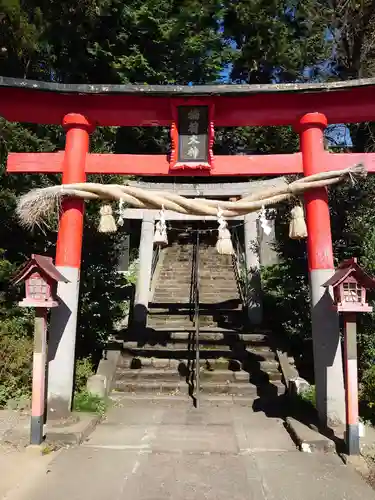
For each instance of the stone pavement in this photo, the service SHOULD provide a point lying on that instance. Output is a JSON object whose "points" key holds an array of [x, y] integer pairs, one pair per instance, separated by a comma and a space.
{"points": [[18, 466], [162, 451], [13, 420]]}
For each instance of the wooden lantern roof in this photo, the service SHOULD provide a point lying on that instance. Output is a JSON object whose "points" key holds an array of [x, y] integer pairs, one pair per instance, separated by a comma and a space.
{"points": [[39, 263], [348, 268]]}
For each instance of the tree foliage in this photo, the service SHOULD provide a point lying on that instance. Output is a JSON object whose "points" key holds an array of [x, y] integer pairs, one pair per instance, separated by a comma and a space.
{"points": [[277, 40]]}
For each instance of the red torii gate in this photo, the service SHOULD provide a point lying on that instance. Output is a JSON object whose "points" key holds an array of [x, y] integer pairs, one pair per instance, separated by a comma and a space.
{"points": [[79, 108]]}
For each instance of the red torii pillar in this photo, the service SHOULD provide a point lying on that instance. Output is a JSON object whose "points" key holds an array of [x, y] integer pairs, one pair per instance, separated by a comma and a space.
{"points": [[328, 371], [62, 339]]}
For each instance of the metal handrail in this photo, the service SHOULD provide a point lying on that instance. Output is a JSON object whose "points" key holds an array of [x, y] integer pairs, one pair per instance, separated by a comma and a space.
{"points": [[155, 259], [196, 323], [239, 266], [195, 284], [194, 316]]}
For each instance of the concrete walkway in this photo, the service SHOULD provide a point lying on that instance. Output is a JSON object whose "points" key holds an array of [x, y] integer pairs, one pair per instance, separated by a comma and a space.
{"points": [[162, 451]]}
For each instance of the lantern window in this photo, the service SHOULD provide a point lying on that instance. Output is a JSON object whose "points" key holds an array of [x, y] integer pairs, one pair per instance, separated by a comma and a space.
{"points": [[352, 292]]}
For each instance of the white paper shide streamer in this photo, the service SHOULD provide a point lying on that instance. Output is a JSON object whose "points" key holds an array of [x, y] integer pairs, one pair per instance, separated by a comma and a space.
{"points": [[120, 220], [264, 222], [160, 236]]}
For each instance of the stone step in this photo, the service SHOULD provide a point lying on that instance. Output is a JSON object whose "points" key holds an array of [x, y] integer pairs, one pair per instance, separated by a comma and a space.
{"points": [[213, 301], [234, 388], [262, 332], [176, 277], [177, 283], [225, 336], [175, 339], [168, 345], [187, 319], [177, 320], [165, 298], [177, 304], [214, 258], [218, 298], [156, 324], [221, 287], [216, 295], [182, 372], [208, 309], [165, 286], [168, 306], [218, 288], [225, 284], [172, 318], [217, 273], [186, 277], [164, 302], [205, 335], [223, 281], [168, 375], [184, 400], [179, 348], [204, 273], [159, 324], [222, 363], [250, 360], [203, 316]]}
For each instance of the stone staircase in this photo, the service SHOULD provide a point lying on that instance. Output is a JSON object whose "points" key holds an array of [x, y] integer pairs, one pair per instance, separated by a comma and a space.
{"points": [[235, 363]]}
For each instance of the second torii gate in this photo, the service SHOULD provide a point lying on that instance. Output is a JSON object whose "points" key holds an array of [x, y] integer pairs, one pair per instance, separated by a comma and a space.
{"points": [[191, 113]]}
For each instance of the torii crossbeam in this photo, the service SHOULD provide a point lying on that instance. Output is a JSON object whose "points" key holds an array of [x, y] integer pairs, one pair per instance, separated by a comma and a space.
{"points": [[191, 113]]}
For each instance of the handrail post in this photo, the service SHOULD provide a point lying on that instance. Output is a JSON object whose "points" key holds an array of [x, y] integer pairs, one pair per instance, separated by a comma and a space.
{"points": [[196, 317]]}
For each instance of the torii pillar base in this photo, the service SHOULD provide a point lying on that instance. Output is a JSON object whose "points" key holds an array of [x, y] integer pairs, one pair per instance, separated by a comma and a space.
{"points": [[328, 371], [62, 336]]}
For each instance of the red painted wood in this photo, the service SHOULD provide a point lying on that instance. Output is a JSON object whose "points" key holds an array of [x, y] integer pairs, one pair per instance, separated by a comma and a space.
{"points": [[282, 164], [319, 240], [69, 239], [339, 106]]}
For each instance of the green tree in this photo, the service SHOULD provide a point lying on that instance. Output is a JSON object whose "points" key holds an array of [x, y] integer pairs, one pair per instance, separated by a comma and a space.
{"points": [[276, 41]]}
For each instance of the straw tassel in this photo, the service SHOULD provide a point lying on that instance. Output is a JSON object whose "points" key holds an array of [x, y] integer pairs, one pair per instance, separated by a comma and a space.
{"points": [[224, 244], [107, 223], [297, 225]]}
